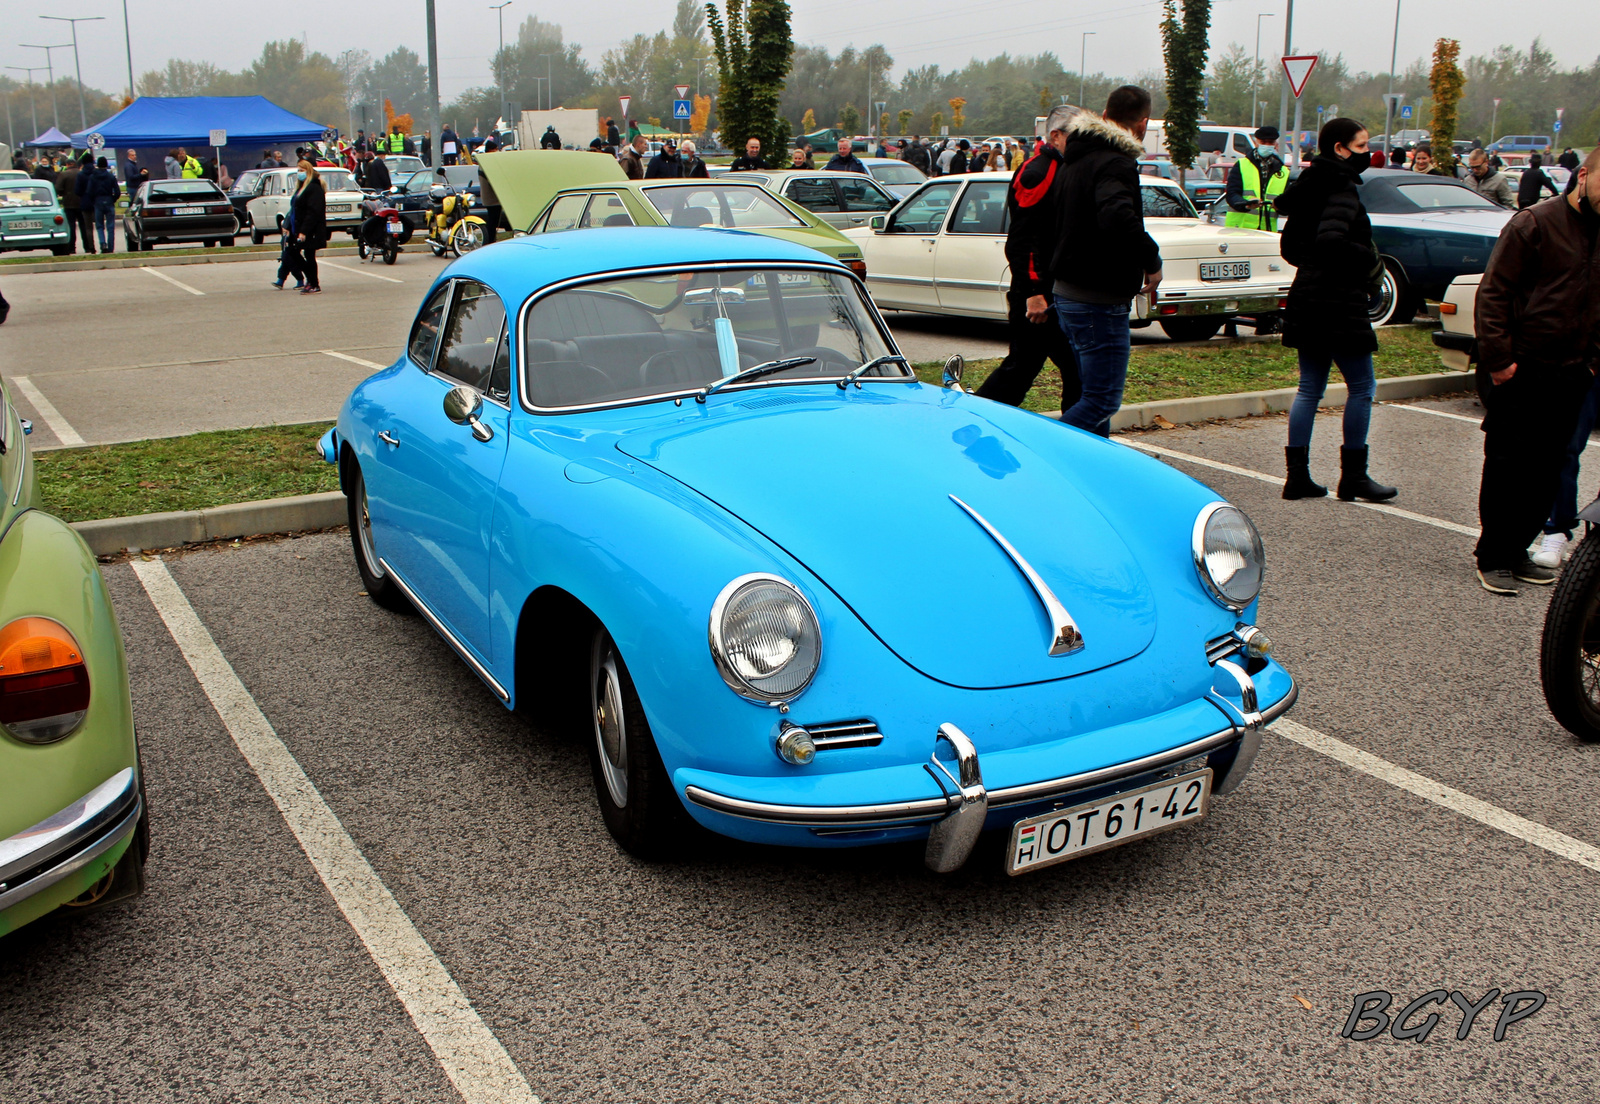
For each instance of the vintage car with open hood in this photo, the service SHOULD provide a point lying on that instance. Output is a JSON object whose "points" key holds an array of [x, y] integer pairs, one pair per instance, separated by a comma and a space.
{"points": [[681, 488]]}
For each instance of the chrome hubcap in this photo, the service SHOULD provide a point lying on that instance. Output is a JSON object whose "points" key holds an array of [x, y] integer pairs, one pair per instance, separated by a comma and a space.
{"points": [[367, 551], [1383, 303], [610, 730]]}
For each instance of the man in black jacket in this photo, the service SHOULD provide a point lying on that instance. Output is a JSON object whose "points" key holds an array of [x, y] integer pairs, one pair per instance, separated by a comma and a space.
{"points": [[1534, 183], [1103, 256], [1030, 240], [750, 159], [665, 164], [846, 160]]}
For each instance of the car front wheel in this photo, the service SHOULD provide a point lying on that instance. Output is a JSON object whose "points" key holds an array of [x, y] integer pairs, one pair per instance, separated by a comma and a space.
{"points": [[374, 578], [637, 801], [1393, 302]]}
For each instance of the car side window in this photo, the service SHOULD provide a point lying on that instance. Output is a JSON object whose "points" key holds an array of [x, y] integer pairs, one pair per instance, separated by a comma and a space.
{"points": [[813, 194], [500, 374], [425, 330], [606, 209], [982, 209], [924, 212], [1241, 146], [472, 339], [565, 213], [861, 194]]}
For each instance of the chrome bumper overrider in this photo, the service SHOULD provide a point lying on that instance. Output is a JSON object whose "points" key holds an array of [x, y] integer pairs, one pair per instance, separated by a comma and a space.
{"points": [[58, 846], [958, 815]]}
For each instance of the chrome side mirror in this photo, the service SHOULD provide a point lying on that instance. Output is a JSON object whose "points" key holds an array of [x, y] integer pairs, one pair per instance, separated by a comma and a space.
{"points": [[461, 406], [953, 368], [877, 222]]}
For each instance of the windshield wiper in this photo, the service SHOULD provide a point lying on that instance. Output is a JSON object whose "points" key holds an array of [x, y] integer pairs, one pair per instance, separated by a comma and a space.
{"points": [[755, 372], [861, 370]]}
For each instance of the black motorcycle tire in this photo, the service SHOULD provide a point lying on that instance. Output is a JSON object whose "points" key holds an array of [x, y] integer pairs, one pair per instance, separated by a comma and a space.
{"points": [[391, 253], [1569, 652], [361, 248]]}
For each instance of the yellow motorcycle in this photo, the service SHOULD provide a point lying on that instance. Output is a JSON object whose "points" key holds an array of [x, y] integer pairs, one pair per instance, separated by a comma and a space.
{"points": [[451, 228]]}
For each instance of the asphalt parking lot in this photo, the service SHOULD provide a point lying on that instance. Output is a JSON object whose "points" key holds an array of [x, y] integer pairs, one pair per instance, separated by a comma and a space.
{"points": [[126, 354], [1418, 823]]}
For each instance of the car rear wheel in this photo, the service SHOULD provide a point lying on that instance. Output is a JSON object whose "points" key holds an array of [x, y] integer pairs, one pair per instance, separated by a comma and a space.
{"points": [[1200, 328], [257, 237], [379, 586], [1394, 302], [637, 801]]}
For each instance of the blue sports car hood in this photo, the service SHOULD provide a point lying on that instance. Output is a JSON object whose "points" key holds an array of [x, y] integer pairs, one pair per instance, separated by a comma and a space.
{"points": [[858, 487]]}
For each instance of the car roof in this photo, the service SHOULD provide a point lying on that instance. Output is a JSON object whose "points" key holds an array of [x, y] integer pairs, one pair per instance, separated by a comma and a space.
{"points": [[516, 267]]}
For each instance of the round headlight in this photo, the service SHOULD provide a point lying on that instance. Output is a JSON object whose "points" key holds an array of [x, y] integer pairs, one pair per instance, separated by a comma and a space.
{"points": [[764, 638], [1228, 555]]}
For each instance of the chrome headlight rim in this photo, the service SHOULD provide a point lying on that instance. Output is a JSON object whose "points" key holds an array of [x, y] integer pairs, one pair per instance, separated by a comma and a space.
{"points": [[719, 649], [1197, 546]]}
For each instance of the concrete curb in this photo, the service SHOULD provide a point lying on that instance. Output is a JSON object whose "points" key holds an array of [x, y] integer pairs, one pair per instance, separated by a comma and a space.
{"points": [[110, 536], [156, 260]]}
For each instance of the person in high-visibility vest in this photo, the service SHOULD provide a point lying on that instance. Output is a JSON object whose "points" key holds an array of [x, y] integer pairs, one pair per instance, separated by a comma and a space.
{"points": [[1249, 203], [191, 167], [394, 143]]}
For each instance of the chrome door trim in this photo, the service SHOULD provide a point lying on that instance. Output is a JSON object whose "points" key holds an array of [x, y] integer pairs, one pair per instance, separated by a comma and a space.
{"points": [[1065, 636], [449, 637]]}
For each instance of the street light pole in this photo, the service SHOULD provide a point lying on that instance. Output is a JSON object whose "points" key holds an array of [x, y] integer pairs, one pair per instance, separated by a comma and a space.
{"points": [[433, 85], [83, 113], [1388, 110], [1288, 48], [1256, 68], [50, 75], [33, 106], [500, 12], [1083, 54], [1494, 117], [549, 84], [127, 40]]}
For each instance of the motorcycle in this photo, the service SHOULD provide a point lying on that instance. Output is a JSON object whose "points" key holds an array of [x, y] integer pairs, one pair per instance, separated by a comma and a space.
{"points": [[450, 227], [1569, 652], [382, 232]]}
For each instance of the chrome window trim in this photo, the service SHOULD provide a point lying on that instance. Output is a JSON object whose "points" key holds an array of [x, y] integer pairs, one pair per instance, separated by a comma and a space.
{"points": [[1197, 549], [450, 300], [829, 267], [719, 651], [450, 306], [450, 638]]}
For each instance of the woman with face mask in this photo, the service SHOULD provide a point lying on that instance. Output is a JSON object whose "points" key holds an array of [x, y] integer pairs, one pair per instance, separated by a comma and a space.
{"points": [[1328, 238], [310, 223]]}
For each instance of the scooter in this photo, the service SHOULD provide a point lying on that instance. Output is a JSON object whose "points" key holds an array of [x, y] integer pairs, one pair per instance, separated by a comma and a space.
{"points": [[450, 228], [382, 232]]}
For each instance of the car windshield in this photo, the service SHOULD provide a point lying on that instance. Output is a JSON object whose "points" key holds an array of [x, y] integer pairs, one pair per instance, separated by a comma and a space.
{"points": [[1443, 195], [666, 334], [337, 180], [26, 195], [723, 206], [898, 173], [1161, 202], [183, 189], [245, 184]]}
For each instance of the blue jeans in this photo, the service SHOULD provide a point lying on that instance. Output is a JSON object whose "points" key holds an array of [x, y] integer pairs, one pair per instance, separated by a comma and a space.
{"points": [[1564, 514], [105, 222], [1099, 336], [1357, 373]]}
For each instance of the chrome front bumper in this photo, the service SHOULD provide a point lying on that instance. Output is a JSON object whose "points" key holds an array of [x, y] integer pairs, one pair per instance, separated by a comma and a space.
{"points": [[37, 858], [957, 817]]}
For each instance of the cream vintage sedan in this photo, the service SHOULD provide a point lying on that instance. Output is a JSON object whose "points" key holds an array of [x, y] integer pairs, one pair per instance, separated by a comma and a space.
{"points": [[942, 251], [275, 191]]}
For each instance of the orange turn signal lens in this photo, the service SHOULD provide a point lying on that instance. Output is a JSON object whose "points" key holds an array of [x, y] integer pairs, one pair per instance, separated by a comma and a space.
{"points": [[1447, 308], [44, 682]]}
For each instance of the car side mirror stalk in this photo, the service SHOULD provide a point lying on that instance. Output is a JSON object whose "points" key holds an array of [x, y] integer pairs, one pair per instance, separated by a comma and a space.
{"points": [[461, 406], [953, 369]]}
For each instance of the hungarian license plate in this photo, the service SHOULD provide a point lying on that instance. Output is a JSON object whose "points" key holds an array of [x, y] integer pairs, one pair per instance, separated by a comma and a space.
{"points": [[1064, 834], [188, 210], [32, 224], [338, 206], [395, 226], [1224, 270]]}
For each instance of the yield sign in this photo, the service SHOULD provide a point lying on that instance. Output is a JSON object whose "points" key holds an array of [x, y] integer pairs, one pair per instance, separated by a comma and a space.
{"points": [[683, 91], [624, 101], [1298, 70]]}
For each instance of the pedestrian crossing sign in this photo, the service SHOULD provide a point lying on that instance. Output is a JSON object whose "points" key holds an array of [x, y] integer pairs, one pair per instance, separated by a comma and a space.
{"points": [[680, 109], [1405, 112]]}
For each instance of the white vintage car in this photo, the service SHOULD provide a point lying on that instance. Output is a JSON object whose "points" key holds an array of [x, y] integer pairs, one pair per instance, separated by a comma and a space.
{"points": [[942, 251], [275, 189], [1456, 337]]}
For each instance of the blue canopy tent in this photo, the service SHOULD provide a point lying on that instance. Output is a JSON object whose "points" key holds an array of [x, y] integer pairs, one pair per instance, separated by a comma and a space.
{"points": [[50, 139], [155, 121]]}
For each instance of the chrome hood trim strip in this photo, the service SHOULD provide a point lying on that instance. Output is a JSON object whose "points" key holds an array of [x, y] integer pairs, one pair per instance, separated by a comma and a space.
{"points": [[1065, 636]]}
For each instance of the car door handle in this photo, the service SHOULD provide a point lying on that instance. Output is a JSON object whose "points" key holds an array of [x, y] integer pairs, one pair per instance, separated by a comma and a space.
{"points": [[388, 439]]}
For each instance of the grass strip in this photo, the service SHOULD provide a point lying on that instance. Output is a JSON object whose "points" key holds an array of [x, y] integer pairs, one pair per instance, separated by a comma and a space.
{"points": [[1182, 371], [184, 473]]}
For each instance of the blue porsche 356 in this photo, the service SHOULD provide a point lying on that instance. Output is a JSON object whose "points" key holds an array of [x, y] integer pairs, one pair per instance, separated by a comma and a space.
{"points": [[679, 487]]}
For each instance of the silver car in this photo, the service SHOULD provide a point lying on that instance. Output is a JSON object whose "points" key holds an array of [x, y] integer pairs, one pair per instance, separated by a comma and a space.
{"points": [[841, 199]]}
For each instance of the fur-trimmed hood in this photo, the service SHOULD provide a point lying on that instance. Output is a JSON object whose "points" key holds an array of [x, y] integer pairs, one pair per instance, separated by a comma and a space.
{"points": [[1088, 125]]}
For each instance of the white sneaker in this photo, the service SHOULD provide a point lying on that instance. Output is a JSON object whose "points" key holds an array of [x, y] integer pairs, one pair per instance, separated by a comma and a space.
{"points": [[1551, 549]]}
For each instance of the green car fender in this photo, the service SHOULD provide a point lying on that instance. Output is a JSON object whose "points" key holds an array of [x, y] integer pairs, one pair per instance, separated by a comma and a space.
{"points": [[47, 571]]}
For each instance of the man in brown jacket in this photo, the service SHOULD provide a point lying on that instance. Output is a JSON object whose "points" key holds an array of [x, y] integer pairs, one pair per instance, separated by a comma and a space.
{"points": [[1538, 330], [633, 157]]}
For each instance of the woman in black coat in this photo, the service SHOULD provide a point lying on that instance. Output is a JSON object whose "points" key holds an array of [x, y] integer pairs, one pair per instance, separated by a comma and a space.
{"points": [[1328, 238], [310, 224]]}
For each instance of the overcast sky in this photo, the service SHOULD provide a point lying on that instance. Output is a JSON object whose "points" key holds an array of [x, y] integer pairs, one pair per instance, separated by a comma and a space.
{"points": [[916, 32]]}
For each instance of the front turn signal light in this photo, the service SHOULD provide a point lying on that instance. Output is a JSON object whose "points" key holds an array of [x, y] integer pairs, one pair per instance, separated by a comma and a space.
{"points": [[44, 682]]}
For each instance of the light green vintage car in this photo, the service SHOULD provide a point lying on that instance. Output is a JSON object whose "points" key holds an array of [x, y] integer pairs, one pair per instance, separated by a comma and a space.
{"points": [[74, 831]]}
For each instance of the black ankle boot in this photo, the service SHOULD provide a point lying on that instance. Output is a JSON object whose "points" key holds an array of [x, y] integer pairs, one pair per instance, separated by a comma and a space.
{"points": [[1354, 482], [1300, 485]]}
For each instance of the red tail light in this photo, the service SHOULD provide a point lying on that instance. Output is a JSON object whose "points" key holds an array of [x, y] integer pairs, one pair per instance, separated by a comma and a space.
{"points": [[60, 219], [224, 209], [44, 683]]}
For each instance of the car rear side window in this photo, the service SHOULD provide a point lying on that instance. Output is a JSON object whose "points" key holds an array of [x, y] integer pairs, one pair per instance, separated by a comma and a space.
{"points": [[982, 209], [606, 209], [565, 213], [425, 331], [472, 339], [813, 194]]}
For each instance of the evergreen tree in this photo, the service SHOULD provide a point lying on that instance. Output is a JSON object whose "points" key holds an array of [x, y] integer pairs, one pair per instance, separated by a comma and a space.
{"points": [[753, 51], [1184, 46]]}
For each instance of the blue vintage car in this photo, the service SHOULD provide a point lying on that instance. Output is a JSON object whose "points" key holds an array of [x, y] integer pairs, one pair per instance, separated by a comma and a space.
{"points": [[679, 487]]}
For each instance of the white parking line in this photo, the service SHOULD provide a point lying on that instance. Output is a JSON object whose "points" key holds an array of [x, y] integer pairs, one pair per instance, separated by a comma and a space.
{"points": [[1456, 417], [47, 410], [158, 274], [1557, 843], [1382, 508], [353, 359], [474, 1060], [361, 272]]}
